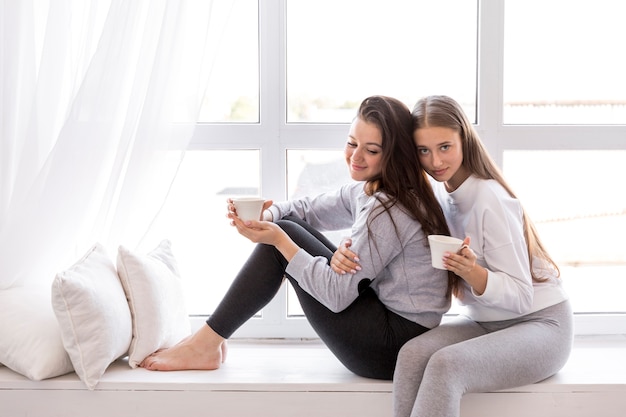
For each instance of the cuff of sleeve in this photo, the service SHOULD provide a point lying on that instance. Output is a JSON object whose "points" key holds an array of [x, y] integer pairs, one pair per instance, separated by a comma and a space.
{"points": [[297, 264], [491, 289], [275, 213]]}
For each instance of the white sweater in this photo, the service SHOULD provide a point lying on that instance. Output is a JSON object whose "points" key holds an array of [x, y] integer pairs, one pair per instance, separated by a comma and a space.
{"points": [[484, 211]]}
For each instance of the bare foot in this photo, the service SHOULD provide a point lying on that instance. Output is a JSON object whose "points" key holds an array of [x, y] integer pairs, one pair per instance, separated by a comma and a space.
{"points": [[224, 351], [204, 350]]}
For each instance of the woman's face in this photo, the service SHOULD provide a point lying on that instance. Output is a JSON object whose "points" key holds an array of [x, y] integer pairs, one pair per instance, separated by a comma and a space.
{"points": [[441, 153], [364, 150]]}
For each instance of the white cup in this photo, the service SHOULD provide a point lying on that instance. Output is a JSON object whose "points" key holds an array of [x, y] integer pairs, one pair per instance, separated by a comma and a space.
{"points": [[248, 208], [439, 244]]}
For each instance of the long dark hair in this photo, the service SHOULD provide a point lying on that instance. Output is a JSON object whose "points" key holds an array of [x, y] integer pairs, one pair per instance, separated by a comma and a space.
{"points": [[402, 178]]}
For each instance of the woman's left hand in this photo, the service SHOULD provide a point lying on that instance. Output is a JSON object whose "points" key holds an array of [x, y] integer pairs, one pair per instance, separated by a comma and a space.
{"points": [[344, 261], [463, 264], [266, 232], [257, 231]]}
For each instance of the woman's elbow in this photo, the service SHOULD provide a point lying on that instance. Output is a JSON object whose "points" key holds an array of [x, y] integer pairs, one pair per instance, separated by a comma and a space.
{"points": [[525, 301]]}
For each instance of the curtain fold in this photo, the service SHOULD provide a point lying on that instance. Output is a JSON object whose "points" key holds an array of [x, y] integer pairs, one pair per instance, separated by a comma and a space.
{"points": [[99, 100]]}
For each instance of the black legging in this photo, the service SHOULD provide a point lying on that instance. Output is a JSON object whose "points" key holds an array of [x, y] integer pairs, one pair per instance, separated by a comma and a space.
{"points": [[365, 337]]}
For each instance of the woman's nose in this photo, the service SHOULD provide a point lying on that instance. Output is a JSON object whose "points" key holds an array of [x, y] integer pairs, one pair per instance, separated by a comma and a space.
{"points": [[357, 155]]}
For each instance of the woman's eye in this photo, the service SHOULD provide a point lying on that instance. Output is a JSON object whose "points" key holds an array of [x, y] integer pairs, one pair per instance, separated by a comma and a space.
{"points": [[445, 147], [422, 151], [373, 151], [351, 145]]}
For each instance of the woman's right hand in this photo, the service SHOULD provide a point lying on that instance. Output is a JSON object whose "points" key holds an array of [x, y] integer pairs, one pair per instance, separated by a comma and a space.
{"points": [[344, 261]]}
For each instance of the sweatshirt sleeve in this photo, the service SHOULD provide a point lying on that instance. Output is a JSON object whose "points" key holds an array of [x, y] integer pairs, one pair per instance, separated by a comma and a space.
{"points": [[505, 256], [328, 211], [335, 291]]}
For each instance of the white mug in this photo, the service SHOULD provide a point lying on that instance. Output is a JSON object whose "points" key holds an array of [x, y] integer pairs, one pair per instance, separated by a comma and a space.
{"points": [[439, 244], [248, 208]]}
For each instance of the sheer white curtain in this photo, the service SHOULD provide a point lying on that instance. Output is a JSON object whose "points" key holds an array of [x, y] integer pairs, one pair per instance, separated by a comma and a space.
{"points": [[98, 102]]}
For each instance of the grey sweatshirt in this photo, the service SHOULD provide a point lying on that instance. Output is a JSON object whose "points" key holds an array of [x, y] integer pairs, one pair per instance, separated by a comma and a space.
{"points": [[393, 254]]}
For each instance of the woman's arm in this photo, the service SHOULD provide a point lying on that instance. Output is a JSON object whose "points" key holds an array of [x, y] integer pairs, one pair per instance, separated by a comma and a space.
{"points": [[495, 223], [344, 261], [328, 211], [377, 238]]}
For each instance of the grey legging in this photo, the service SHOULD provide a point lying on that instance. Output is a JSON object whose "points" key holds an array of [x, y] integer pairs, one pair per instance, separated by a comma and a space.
{"points": [[435, 369], [365, 337]]}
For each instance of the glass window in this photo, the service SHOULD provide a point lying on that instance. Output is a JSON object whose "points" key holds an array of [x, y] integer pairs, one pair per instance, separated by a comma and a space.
{"points": [[209, 251], [339, 52], [309, 173], [233, 91], [581, 219], [562, 62]]}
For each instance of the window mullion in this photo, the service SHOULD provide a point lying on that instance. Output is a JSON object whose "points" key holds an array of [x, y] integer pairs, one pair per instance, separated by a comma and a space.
{"points": [[490, 75]]}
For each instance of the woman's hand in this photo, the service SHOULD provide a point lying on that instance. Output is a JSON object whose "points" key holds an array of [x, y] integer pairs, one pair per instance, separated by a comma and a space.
{"points": [[265, 232], [463, 264], [344, 260], [258, 231]]}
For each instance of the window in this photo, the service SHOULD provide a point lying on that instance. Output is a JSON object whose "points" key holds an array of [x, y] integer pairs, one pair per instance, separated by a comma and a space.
{"points": [[566, 69], [233, 91], [580, 218], [208, 251], [310, 172], [339, 52], [312, 62]]}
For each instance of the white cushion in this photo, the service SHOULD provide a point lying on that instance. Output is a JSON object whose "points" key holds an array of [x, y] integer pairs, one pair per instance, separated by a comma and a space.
{"points": [[155, 295], [30, 338], [90, 305]]}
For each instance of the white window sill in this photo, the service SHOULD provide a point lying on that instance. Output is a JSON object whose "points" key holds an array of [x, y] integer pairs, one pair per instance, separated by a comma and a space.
{"points": [[283, 377]]}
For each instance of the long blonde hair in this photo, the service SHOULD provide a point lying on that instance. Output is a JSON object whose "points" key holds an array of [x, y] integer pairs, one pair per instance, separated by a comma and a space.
{"points": [[443, 111]]}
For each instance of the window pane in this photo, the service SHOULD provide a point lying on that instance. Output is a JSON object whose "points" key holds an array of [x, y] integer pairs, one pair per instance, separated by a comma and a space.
{"points": [[563, 62], [581, 219], [339, 52], [310, 173], [233, 91], [209, 251]]}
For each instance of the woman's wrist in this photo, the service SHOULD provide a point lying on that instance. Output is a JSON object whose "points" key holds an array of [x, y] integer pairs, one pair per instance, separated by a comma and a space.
{"points": [[476, 277], [287, 247]]}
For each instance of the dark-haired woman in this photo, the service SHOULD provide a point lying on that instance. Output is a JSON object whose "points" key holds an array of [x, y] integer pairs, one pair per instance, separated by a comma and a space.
{"points": [[364, 318]]}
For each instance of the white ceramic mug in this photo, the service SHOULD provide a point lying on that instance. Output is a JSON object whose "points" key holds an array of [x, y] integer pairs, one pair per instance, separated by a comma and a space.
{"points": [[439, 244], [248, 208]]}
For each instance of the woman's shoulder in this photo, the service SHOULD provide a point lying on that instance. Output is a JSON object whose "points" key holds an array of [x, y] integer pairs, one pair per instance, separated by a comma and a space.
{"points": [[378, 203], [352, 189], [489, 195], [488, 189]]}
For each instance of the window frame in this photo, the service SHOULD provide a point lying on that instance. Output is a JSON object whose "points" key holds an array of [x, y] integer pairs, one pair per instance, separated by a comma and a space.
{"points": [[273, 137]]}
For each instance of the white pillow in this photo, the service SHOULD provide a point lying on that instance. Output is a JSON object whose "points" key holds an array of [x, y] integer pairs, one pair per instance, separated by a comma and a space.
{"points": [[30, 338], [155, 295], [90, 305]]}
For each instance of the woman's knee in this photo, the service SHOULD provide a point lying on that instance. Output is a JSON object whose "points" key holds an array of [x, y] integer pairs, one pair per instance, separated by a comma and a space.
{"points": [[413, 351], [289, 225], [445, 363]]}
